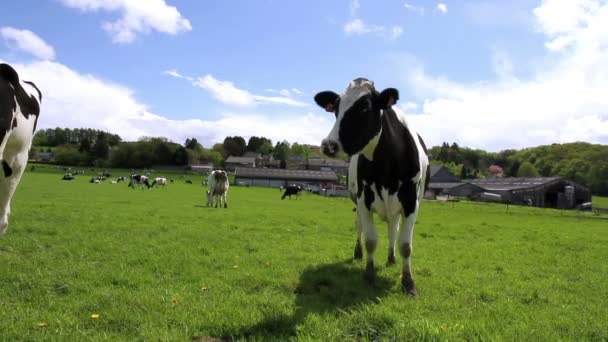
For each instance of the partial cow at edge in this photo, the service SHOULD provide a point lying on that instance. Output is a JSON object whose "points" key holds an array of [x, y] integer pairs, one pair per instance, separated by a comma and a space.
{"points": [[388, 171], [217, 189], [19, 111]]}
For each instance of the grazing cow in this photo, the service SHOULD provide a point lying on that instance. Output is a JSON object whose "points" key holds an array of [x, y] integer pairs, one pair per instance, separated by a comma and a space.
{"points": [[292, 190], [160, 181], [217, 189], [388, 171], [139, 180], [19, 111], [68, 177], [95, 180], [120, 179]]}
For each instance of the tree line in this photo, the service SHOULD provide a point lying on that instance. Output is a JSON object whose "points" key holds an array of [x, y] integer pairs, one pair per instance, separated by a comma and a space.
{"points": [[584, 163]]}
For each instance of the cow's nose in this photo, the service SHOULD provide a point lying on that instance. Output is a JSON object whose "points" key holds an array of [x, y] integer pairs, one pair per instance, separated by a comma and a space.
{"points": [[330, 147]]}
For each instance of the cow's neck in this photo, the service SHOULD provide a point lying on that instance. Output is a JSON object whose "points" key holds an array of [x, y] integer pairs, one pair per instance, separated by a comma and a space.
{"points": [[370, 148]]}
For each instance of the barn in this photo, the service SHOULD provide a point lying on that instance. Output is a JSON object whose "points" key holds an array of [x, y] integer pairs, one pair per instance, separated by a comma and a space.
{"points": [[546, 192], [280, 177]]}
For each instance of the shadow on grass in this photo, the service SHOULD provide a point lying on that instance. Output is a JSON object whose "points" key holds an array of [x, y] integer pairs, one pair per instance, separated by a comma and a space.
{"points": [[321, 289]]}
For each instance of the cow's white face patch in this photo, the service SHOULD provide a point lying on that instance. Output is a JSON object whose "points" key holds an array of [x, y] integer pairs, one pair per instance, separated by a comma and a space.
{"points": [[357, 119]]}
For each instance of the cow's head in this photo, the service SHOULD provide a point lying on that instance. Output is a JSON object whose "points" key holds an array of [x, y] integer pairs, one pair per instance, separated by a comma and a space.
{"points": [[358, 115]]}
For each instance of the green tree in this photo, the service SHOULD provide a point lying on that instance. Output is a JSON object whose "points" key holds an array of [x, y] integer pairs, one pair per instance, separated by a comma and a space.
{"points": [[281, 151], [527, 169], [235, 146], [193, 144]]}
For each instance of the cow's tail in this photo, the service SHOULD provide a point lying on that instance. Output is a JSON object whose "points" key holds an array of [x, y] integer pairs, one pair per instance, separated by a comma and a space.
{"points": [[427, 179]]}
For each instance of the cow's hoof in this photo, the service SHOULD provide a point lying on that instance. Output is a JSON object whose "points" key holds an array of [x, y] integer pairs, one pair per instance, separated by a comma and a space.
{"points": [[391, 260], [408, 286], [358, 252], [370, 274]]}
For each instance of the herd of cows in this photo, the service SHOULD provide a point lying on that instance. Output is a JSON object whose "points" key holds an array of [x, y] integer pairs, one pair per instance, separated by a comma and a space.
{"points": [[388, 174]]}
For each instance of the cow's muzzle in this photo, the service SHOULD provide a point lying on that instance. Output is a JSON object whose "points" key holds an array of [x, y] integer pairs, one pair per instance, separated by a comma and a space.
{"points": [[330, 147]]}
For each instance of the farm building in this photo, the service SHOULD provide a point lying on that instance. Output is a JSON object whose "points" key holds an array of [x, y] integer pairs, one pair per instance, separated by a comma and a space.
{"points": [[235, 162], [280, 177], [442, 181], [320, 164], [201, 168], [547, 192]]}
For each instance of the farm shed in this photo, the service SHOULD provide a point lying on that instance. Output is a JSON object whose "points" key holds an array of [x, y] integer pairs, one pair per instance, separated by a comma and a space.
{"points": [[546, 192], [280, 177], [234, 162], [441, 182]]}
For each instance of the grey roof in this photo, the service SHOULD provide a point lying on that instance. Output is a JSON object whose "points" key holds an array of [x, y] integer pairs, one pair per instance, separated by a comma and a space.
{"points": [[435, 169], [240, 160], [327, 162], [329, 176], [512, 183]]}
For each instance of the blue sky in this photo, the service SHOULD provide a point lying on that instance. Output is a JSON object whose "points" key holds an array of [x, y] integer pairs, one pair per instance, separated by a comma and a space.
{"points": [[486, 74]]}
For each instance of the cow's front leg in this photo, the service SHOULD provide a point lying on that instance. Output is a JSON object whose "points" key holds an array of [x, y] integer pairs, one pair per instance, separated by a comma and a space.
{"points": [[393, 229], [358, 246], [371, 242], [225, 197]]}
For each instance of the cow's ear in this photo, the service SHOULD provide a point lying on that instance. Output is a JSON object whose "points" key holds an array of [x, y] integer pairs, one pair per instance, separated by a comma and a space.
{"points": [[326, 100], [387, 98]]}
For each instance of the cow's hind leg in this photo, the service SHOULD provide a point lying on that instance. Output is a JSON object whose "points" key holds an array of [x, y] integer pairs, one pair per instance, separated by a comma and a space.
{"points": [[393, 229], [9, 179], [358, 248], [405, 248], [225, 200]]}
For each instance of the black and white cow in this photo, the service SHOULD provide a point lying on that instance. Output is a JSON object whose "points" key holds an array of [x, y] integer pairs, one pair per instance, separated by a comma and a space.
{"points": [[19, 111], [292, 190], [389, 168], [160, 181], [217, 189], [139, 180]]}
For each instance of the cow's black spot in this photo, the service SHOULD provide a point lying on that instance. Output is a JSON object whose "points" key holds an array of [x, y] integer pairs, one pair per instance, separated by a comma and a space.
{"points": [[360, 124], [7, 169], [395, 162], [11, 94]]}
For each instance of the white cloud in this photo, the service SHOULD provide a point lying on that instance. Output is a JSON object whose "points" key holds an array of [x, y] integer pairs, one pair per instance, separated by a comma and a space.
{"points": [[285, 92], [564, 101], [358, 27], [354, 7], [443, 8], [27, 41], [416, 9], [227, 93], [396, 32], [72, 99], [137, 17]]}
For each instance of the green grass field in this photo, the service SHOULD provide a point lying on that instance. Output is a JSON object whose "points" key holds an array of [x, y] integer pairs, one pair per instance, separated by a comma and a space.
{"points": [[158, 265]]}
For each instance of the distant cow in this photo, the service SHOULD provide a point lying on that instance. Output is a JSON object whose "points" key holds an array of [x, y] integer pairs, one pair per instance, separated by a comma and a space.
{"points": [[217, 189], [94, 180], [139, 180], [160, 181], [388, 171], [120, 179], [292, 190], [68, 177], [188, 181], [19, 111]]}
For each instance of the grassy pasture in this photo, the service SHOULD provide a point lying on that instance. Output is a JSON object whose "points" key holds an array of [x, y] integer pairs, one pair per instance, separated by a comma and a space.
{"points": [[158, 265]]}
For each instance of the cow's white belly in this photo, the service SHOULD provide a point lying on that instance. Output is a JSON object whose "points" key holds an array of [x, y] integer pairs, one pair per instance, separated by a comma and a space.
{"points": [[387, 206], [20, 137]]}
